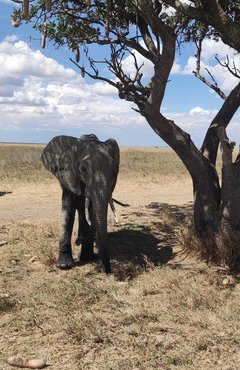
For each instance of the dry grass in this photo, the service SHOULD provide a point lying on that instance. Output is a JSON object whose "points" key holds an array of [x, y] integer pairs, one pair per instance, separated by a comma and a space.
{"points": [[221, 248], [151, 164], [21, 163], [145, 316], [157, 310]]}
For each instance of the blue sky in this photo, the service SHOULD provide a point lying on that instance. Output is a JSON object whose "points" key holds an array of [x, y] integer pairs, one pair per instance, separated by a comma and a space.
{"points": [[43, 95]]}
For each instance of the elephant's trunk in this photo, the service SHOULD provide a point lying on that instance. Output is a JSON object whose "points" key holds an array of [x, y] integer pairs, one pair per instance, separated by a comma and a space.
{"points": [[100, 208]]}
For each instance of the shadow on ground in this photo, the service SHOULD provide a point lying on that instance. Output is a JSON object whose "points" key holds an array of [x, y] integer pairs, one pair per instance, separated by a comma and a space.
{"points": [[181, 213], [146, 238], [2, 193]]}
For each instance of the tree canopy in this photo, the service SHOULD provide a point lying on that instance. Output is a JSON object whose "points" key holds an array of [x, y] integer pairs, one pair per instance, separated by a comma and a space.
{"points": [[154, 29]]}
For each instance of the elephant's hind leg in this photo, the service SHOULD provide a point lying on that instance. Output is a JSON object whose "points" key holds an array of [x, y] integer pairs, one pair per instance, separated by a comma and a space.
{"points": [[79, 239], [65, 259], [88, 235]]}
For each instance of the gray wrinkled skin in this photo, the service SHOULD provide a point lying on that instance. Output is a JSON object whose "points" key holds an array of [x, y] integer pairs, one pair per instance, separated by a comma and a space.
{"points": [[85, 167]]}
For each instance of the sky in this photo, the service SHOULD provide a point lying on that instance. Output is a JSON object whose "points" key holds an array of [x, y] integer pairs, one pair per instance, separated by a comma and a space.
{"points": [[42, 93]]}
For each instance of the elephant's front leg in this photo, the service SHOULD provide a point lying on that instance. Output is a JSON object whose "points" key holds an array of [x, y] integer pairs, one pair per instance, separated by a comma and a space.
{"points": [[65, 259]]}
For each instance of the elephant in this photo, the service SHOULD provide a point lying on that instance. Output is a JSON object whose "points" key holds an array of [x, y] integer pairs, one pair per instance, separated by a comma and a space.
{"points": [[87, 170]]}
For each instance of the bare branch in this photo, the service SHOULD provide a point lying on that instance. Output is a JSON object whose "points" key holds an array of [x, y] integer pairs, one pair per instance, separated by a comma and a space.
{"points": [[214, 86], [233, 70], [130, 89], [94, 76]]}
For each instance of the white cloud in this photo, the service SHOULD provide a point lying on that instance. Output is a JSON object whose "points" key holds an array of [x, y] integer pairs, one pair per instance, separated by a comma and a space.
{"points": [[210, 49], [129, 67], [39, 93], [196, 119], [103, 88], [198, 111], [11, 38], [16, 58]]}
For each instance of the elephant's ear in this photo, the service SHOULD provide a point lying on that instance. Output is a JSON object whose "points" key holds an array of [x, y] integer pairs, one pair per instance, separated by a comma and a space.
{"points": [[113, 149], [59, 157]]}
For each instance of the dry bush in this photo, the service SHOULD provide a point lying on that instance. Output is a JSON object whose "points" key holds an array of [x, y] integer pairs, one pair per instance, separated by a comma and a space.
{"points": [[228, 248], [222, 248], [203, 248]]}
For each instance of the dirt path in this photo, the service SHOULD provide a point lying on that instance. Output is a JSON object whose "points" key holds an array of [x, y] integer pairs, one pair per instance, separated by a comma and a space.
{"points": [[43, 201]]}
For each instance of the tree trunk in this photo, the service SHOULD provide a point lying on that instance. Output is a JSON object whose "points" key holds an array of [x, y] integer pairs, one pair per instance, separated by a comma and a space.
{"points": [[215, 206], [204, 176], [216, 209], [224, 116]]}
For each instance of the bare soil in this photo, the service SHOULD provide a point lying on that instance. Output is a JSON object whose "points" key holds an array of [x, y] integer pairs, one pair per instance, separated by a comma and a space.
{"points": [[43, 201]]}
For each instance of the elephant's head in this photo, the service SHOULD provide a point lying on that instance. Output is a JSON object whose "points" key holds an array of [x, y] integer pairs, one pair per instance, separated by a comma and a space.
{"points": [[98, 168]]}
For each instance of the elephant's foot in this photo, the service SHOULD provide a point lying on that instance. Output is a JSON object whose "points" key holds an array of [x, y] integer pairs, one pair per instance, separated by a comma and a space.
{"points": [[88, 257], [65, 261], [106, 264]]}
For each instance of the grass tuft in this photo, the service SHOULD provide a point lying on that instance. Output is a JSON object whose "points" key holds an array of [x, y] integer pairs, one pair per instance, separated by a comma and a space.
{"points": [[228, 248], [203, 248], [7, 303], [221, 248]]}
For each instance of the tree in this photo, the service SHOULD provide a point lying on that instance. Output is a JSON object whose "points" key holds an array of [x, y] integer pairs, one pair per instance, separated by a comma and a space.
{"points": [[151, 29]]}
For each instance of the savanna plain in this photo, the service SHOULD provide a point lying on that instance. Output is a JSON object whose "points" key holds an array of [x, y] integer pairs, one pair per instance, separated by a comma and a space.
{"points": [[162, 308]]}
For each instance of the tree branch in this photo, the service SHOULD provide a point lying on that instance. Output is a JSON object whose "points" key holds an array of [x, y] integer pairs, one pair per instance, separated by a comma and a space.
{"points": [[234, 70], [211, 13], [209, 84], [94, 76], [225, 114], [197, 73]]}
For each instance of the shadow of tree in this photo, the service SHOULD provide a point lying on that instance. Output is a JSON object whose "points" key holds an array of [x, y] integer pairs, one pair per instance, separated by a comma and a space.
{"points": [[146, 238], [134, 251], [180, 213], [129, 244]]}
